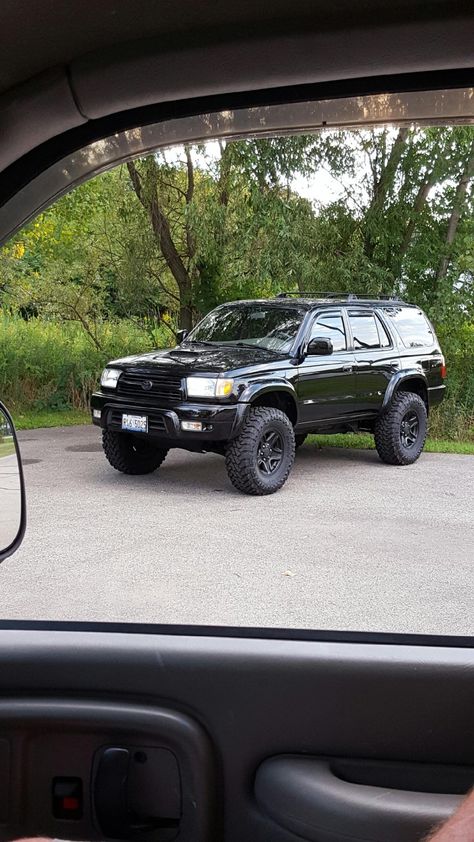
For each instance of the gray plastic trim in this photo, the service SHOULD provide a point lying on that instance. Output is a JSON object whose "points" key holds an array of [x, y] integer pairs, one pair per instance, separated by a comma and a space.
{"points": [[305, 796], [257, 698], [424, 107], [111, 722], [147, 72], [35, 112]]}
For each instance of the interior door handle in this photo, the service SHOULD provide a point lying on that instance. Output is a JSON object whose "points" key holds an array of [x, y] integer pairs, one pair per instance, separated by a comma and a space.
{"points": [[306, 797], [110, 793], [114, 809]]}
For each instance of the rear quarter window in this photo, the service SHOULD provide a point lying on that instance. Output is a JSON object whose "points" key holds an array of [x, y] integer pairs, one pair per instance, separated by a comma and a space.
{"points": [[413, 327]]}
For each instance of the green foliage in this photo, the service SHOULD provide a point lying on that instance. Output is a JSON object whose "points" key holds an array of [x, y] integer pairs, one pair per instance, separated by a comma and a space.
{"points": [[454, 419], [46, 364]]}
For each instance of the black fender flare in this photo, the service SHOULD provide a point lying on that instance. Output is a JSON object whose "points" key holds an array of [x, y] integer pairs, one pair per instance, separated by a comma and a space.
{"points": [[255, 390], [398, 378]]}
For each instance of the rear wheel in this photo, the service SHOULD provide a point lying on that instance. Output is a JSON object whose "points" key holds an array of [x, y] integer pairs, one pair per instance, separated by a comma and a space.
{"points": [[260, 459], [400, 432], [130, 454]]}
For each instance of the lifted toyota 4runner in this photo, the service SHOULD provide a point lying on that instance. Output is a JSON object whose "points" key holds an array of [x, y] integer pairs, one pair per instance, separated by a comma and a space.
{"points": [[253, 378]]}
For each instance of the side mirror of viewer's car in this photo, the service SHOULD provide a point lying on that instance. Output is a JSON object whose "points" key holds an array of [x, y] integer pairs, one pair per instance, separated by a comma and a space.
{"points": [[181, 336], [12, 488], [319, 346]]}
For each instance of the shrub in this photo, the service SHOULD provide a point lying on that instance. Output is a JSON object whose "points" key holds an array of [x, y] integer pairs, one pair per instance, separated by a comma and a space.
{"points": [[54, 365], [454, 418]]}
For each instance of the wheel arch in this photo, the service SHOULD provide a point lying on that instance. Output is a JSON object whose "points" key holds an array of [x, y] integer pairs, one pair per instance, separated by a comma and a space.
{"points": [[412, 380], [278, 396]]}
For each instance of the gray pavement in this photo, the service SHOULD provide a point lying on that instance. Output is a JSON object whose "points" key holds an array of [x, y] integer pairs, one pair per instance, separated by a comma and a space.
{"points": [[348, 543], [10, 495]]}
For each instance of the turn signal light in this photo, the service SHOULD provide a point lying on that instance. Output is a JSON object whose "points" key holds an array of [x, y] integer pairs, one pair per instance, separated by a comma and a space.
{"points": [[443, 371]]}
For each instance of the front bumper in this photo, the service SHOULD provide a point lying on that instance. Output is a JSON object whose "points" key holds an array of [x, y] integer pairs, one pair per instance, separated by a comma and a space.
{"points": [[221, 422]]}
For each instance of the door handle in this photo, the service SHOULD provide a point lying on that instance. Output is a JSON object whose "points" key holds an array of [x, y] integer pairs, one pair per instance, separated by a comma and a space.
{"points": [[347, 368], [305, 796], [114, 807], [110, 793]]}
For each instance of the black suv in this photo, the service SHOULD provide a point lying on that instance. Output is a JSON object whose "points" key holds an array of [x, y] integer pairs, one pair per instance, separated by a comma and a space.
{"points": [[255, 377]]}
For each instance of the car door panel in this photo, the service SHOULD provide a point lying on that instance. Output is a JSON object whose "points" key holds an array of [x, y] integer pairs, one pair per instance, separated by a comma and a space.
{"points": [[224, 705], [325, 384], [321, 799], [326, 387], [373, 370], [373, 366]]}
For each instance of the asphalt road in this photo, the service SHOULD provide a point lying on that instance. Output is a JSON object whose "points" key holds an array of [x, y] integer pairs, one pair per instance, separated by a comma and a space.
{"points": [[349, 543]]}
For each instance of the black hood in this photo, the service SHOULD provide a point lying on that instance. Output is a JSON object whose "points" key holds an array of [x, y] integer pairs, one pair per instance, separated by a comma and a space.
{"points": [[195, 356]]}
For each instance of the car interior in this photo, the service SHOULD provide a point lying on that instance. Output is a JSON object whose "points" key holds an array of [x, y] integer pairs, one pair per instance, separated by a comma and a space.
{"points": [[242, 734]]}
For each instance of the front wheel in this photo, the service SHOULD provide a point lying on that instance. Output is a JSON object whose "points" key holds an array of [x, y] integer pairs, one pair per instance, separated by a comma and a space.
{"points": [[260, 458], [400, 432], [131, 454]]}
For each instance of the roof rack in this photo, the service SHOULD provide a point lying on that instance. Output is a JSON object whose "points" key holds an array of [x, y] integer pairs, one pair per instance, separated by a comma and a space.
{"points": [[341, 296]]}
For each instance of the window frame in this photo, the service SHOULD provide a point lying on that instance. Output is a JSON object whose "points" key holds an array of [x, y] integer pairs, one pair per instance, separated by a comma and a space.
{"points": [[378, 323], [315, 315]]}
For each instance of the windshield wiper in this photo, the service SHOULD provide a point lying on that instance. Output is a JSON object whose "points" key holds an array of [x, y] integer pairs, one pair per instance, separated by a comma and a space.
{"points": [[258, 348]]}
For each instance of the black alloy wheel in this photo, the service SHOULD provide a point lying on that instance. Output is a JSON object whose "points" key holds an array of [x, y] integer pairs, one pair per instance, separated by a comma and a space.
{"points": [[269, 452], [409, 429]]}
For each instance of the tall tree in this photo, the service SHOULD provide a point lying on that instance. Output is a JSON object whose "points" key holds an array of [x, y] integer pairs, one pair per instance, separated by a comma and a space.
{"points": [[458, 204]]}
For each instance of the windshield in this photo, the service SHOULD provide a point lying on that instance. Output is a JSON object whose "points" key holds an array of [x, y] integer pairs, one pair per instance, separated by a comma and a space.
{"points": [[263, 326]]}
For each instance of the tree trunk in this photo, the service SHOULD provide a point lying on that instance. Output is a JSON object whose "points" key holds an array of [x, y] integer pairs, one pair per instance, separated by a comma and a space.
{"points": [[382, 188], [456, 212], [418, 205], [224, 173], [148, 197]]}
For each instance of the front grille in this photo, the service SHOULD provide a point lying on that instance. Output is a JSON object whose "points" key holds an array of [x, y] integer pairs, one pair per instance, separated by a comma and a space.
{"points": [[164, 387]]}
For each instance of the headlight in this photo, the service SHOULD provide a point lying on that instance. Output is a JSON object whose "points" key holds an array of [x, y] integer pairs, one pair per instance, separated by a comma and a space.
{"points": [[208, 387], [109, 377]]}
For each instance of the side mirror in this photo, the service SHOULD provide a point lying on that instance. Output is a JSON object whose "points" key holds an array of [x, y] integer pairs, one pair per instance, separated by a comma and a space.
{"points": [[319, 346], [181, 336], [12, 488]]}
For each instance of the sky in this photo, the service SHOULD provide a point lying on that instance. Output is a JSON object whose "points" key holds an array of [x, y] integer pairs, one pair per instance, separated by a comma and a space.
{"points": [[320, 187]]}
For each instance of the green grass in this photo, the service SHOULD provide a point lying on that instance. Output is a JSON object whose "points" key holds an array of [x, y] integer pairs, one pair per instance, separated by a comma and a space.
{"points": [[364, 441], [33, 419], [7, 448]]}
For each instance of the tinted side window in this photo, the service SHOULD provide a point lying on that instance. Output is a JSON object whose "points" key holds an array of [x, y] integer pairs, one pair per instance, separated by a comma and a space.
{"points": [[364, 330], [413, 327], [331, 326]]}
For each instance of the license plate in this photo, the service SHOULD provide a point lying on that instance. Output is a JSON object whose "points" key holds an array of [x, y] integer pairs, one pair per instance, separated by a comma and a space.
{"points": [[135, 423]]}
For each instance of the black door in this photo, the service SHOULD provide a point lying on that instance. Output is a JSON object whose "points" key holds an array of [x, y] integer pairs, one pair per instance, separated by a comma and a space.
{"points": [[326, 383], [375, 359]]}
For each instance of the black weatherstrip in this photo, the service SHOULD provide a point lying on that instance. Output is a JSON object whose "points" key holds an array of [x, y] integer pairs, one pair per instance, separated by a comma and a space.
{"points": [[244, 632]]}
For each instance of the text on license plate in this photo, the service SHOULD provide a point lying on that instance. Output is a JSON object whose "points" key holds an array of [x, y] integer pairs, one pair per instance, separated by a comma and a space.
{"points": [[137, 423]]}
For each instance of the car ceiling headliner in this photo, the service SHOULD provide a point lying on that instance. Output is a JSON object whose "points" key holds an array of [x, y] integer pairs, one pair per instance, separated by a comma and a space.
{"points": [[67, 63], [39, 34]]}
